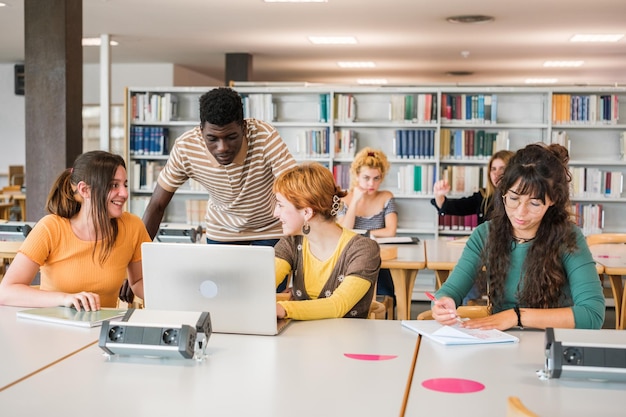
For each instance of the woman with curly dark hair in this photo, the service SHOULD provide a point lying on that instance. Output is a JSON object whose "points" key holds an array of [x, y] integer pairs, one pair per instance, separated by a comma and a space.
{"points": [[530, 258]]}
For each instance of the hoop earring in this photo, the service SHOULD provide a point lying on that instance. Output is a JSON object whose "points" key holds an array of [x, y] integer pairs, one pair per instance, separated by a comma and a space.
{"points": [[306, 228]]}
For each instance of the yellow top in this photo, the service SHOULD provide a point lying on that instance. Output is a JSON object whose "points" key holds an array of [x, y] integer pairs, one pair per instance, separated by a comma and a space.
{"points": [[316, 273]]}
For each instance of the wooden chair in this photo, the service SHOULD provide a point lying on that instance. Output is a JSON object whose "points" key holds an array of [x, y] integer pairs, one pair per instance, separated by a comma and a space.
{"points": [[614, 280], [378, 311], [8, 250], [469, 312], [515, 408]]}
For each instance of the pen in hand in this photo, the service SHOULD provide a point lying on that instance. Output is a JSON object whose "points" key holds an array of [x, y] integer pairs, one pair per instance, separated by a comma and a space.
{"points": [[433, 298]]}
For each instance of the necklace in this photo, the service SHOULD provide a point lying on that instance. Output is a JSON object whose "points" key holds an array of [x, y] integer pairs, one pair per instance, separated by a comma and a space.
{"points": [[522, 240]]}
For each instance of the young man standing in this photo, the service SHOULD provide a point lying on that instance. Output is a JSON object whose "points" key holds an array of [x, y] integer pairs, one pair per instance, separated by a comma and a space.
{"points": [[236, 160]]}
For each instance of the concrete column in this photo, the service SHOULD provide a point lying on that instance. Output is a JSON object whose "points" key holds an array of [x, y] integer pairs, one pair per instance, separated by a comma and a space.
{"points": [[53, 94]]}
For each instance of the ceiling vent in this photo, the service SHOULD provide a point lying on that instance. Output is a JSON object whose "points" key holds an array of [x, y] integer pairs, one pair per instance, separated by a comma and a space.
{"points": [[459, 73], [470, 18]]}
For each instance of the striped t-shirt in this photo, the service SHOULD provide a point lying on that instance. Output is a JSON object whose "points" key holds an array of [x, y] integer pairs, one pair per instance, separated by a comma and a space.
{"points": [[241, 202]]}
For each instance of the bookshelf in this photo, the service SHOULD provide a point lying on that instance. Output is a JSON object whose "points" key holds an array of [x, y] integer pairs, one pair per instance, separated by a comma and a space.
{"points": [[426, 132], [592, 124]]}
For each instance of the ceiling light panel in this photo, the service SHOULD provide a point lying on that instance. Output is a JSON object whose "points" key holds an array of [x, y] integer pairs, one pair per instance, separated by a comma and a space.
{"points": [[333, 40], [563, 64], [356, 64], [597, 37]]}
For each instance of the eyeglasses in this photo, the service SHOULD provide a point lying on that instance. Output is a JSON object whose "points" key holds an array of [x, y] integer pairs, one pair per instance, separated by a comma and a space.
{"points": [[533, 206]]}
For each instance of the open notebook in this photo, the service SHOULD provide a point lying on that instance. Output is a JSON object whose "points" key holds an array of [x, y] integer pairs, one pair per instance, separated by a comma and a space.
{"points": [[456, 335], [236, 284]]}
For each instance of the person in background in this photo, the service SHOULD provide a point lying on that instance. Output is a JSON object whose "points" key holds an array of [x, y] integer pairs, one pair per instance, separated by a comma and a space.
{"points": [[86, 246], [479, 203], [531, 258], [333, 269], [236, 160], [366, 207]]}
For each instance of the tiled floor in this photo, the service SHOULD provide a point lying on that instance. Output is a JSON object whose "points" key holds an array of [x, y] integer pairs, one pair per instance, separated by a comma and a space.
{"points": [[419, 306]]}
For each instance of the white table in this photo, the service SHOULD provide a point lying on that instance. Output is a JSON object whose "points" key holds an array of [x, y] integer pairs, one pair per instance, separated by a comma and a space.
{"points": [[27, 346], [506, 370], [301, 372]]}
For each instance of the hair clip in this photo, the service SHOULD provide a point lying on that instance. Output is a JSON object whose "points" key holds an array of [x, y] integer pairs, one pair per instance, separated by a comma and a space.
{"points": [[371, 154]]}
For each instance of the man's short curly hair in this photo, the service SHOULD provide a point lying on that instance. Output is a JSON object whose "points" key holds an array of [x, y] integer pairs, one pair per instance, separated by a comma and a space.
{"points": [[221, 106]]}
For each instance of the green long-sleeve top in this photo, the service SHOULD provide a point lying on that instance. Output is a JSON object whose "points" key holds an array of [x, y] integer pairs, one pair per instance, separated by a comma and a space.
{"points": [[582, 291]]}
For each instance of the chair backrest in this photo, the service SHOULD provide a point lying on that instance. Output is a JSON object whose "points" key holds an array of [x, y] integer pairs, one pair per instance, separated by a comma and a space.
{"points": [[600, 238], [378, 311], [469, 312], [515, 408]]}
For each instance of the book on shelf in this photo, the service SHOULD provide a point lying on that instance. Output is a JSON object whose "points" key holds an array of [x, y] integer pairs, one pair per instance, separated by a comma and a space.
{"points": [[345, 108], [420, 108], [416, 179], [345, 143], [588, 217], [585, 108], [70, 316], [313, 143], [145, 174], [324, 108], [593, 182], [457, 335], [149, 140], [464, 179], [453, 222], [474, 108], [259, 106], [471, 143], [154, 107], [341, 173], [414, 143]]}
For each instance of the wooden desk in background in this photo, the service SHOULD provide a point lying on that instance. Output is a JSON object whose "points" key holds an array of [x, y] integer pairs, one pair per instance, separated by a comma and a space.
{"points": [[8, 250], [442, 256], [21, 199], [5, 210], [612, 256], [411, 258]]}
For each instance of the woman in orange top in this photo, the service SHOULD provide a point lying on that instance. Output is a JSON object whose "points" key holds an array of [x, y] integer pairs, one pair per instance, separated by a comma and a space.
{"points": [[86, 246]]}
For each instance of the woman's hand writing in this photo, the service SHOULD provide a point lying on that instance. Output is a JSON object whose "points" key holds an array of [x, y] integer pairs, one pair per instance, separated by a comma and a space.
{"points": [[444, 311]]}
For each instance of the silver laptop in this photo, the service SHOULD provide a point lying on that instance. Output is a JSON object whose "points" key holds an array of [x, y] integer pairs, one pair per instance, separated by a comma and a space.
{"points": [[235, 284]]}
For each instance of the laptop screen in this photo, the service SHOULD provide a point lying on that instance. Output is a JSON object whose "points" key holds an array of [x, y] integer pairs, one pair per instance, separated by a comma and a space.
{"points": [[234, 283]]}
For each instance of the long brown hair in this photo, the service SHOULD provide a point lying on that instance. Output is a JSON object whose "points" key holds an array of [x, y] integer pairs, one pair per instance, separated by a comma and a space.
{"points": [[542, 171], [96, 169], [487, 204]]}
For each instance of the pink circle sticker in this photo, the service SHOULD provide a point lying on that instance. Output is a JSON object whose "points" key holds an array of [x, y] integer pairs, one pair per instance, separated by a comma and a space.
{"points": [[453, 385], [366, 357]]}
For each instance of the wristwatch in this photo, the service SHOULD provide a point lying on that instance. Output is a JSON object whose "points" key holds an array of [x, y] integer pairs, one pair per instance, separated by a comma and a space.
{"points": [[519, 316]]}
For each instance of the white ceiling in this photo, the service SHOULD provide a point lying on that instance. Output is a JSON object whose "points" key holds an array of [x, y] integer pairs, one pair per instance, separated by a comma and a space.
{"points": [[409, 40]]}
